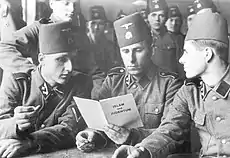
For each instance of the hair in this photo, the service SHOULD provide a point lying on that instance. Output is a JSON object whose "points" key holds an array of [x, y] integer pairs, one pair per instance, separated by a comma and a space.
{"points": [[221, 49]]}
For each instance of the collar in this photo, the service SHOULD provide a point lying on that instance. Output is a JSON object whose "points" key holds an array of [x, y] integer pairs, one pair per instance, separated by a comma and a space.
{"points": [[44, 87], [144, 80], [222, 88], [162, 32]]}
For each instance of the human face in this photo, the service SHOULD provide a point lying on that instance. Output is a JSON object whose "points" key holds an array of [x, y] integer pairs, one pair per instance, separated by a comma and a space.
{"points": [[157, 19], [173, 24], [193, 60], [64, 10], [136, 58], [189, 19], [56, 68], [96, 27]]}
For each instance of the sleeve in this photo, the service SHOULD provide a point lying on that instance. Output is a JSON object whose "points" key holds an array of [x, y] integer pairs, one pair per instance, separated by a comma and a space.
{"points": [[9, 99], [138, 134], [22, 44], [172, 131], [62, 135]]}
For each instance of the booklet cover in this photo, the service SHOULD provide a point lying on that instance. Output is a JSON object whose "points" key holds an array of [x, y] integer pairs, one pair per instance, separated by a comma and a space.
{"points": [[120, 111]]}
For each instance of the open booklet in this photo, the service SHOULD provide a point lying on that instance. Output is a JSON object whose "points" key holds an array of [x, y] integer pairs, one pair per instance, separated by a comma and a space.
{"points": [[120, 111]]}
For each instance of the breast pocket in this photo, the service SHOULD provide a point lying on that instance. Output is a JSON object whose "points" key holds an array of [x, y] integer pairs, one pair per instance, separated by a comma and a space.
{"points": [[199, 118], [153, 114]]}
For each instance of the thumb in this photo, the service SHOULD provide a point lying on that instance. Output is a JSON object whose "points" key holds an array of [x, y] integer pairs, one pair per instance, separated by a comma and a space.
{"points": [[91, 136]]}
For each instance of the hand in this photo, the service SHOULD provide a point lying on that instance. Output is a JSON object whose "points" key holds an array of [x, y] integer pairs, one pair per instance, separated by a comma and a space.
{"points": [[13, 147], [85, 140], [118, 135], [127, 151], [26, 116]]}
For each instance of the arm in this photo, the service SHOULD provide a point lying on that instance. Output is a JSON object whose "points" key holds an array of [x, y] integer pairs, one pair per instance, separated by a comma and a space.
{"points": [[171, 88], [172, 131], [22, 44], [9, 96], [61, 135]]}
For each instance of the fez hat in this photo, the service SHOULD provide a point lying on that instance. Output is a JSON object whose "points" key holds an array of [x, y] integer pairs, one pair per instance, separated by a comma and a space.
{"points": [[157, 5], [202, 4], [174, 11], [144, 13], [97, 12], [56, 38], [190, 10], [208, 26], [131, 29]]}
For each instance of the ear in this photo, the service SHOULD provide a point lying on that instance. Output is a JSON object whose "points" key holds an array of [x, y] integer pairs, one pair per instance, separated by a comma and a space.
{"points": [[41, 58], [209, 54], [51, 4]]}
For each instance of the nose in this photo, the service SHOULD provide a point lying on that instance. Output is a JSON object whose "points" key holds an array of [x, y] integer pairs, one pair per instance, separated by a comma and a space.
{"points": [[69, 66], [181, 60], [132, 57]]}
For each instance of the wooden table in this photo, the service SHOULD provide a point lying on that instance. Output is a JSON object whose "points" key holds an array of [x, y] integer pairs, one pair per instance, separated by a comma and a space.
{"points": [[75, 153]]}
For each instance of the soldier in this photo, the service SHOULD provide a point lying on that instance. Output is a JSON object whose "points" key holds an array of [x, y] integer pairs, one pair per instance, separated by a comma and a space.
{"points": [[167, 50], [24, 43], [204, 99], [153, 89], [174, 21], [190, 15], [104, 50], [37, 112], [204, 5]]}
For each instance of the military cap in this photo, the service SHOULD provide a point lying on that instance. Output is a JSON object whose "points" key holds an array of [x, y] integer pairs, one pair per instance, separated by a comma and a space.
{"points": [[208, 26], [202, 4], [190, 10], [131, 29], [56, 38], [174, 11], [157, 5], [97, 12]]}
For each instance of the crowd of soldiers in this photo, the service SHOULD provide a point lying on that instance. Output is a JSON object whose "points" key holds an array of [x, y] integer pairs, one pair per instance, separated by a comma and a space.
{"points": [[180, 83]]}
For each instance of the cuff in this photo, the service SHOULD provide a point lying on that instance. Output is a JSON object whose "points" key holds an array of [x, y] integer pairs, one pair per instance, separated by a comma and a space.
{"points": [[132, 138]]}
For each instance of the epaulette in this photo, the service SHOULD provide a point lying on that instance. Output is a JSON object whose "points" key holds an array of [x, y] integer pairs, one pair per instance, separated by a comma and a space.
{"points": [[193, 81], [116, 71], [168, 74], [21, 76], [45, 21]]}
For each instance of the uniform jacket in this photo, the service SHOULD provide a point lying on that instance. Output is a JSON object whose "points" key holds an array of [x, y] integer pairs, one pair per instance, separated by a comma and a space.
{"points": [[208, 108], [167, 50], [153, 94], [58, 120]]}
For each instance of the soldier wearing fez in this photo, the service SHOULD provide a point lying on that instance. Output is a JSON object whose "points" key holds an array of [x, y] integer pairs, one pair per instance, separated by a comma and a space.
{"points": [[204, 99], [166, 48], [153, 89], [24, 43], [37, 111], [190, 15], [204, 5]]}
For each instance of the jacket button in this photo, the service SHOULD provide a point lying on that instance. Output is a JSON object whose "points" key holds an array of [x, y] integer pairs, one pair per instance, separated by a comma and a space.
{"points": [[156, 110], [43, 126], [122, 70], [134, 86], [223, 141], [218, 118], [214, 98]]}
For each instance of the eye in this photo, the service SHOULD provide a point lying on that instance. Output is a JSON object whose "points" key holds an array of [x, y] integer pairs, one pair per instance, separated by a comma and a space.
{"points": [[139, 49], [125, 51], [61, 59]]}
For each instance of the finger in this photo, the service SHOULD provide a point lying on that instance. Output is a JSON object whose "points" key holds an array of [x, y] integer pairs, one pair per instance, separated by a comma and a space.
{"points": [[120, 152], [26, 115], [7, 151], [82, 137], [24, 126], [134, 154], [2, 150], [13, 153], [21, 109], [37, 108], [91, 136]]}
